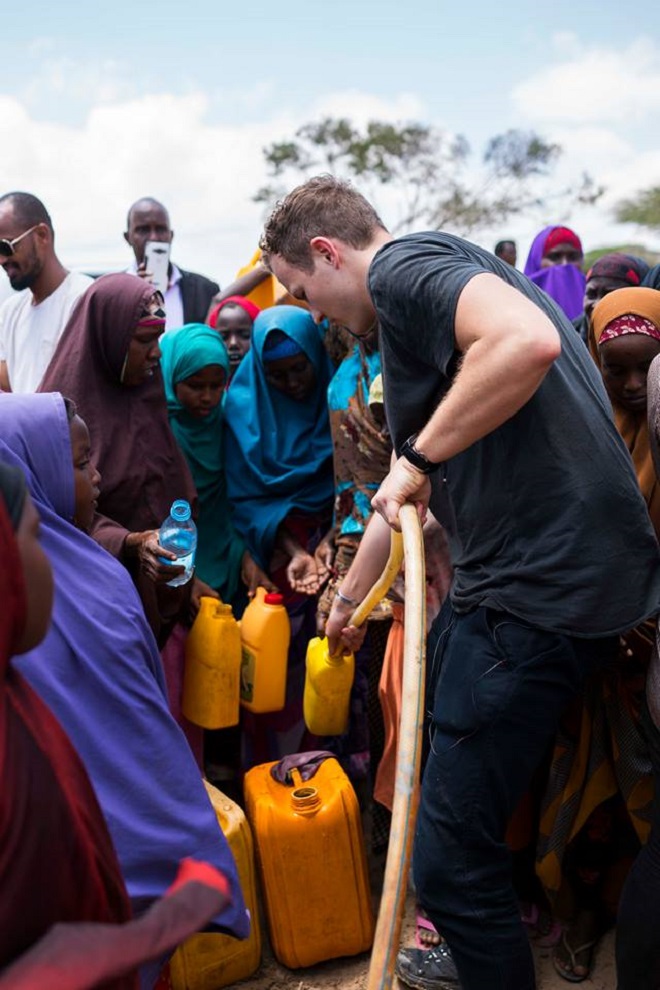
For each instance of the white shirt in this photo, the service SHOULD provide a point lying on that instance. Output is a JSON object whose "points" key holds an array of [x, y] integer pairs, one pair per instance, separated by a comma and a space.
{"points": [[173, 300], [29, 334]]}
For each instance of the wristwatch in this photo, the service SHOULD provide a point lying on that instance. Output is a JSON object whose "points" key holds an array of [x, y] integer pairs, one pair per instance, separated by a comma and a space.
{"points": [[416, 457]]}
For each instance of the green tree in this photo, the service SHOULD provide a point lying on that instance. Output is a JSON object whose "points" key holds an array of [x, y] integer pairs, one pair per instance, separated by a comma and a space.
{"points": [[436, 182], [643, 209]]}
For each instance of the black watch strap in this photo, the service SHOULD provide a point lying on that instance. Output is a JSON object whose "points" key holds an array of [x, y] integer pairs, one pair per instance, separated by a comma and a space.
{"points": [[416, 457]]}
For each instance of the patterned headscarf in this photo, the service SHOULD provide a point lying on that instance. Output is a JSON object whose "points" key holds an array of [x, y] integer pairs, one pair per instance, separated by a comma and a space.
{"points": [[628, 324], [623, 268], [625, 311]]}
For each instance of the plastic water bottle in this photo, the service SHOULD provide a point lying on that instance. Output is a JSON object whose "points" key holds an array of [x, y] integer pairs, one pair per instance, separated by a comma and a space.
{"points": [[178, 534]]}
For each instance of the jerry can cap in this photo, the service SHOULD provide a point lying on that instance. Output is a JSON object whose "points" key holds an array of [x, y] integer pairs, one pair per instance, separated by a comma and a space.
{"points": [[273, 598]]}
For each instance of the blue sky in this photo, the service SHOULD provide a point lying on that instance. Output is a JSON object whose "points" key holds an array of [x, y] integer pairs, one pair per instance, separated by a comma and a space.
{"points": [[101, 104]]}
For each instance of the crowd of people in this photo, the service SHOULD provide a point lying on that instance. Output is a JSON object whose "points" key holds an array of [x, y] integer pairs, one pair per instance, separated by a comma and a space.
{"points": [[520, 412]]}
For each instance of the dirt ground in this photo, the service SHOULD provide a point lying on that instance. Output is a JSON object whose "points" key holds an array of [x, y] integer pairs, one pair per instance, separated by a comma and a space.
{"points": [[351, 974]]}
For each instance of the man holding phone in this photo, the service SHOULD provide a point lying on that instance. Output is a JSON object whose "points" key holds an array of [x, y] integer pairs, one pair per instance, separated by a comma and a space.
{"points": [[187, 294]]}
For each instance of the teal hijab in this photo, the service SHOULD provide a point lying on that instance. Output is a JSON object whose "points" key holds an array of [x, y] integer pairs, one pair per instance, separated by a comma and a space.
{"points": [[279, 451], [220, 549]]}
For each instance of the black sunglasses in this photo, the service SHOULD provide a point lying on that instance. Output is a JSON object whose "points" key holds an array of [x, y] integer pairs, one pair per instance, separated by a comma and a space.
{"points": [[7, 247]]}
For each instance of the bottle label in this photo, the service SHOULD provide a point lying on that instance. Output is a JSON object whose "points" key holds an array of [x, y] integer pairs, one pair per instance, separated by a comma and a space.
{"points": [[248, 663]]}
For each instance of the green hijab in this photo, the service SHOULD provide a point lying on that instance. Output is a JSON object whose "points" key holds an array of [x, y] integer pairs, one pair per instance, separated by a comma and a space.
{"points": [[219, 548]]}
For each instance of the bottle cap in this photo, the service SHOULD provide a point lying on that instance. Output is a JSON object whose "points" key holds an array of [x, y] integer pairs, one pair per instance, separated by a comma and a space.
{"points": [[180, 510], [272, 598]]}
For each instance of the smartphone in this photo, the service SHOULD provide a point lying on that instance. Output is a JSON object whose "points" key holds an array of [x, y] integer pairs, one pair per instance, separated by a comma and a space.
{"points": [[157, 258]]}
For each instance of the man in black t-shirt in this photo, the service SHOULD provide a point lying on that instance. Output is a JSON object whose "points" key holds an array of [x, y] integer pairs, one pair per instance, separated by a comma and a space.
{"points": [[502, 427]]}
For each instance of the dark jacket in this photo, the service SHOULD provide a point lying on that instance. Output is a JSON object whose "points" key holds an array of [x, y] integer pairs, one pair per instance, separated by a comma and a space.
{"points": [[196, 295]]}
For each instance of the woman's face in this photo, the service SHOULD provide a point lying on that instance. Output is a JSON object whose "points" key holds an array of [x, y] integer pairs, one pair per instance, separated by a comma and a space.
{"points": [[38, 579], [293, 376], [143, 352], [235, 327], [596, 288], [562, 254], [624, 365], [201, 393], [86, 478]]}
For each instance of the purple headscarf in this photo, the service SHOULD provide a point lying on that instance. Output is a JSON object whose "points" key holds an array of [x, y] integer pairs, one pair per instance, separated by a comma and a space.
{"points": [[563, 283], [99, 671]]}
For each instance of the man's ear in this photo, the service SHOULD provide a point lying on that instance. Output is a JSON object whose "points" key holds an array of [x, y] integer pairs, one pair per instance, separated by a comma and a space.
{"points": [[44, 233], [325, 250], [126, 238]]}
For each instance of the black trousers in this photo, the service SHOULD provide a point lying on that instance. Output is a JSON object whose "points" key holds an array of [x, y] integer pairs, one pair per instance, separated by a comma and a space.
{"points": [[497, 687]]}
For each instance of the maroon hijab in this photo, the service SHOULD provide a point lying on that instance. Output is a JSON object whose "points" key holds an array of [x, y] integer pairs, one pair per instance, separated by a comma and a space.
{"points": [[142, 467], [57, 862]]}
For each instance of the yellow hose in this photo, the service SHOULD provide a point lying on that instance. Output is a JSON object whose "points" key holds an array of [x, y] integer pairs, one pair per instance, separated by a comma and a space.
{"points": [[409, 751], [384, 582]]}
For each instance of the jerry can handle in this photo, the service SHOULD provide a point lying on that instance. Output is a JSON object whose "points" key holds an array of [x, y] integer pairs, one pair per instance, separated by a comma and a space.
{"points": [[303, 765]]}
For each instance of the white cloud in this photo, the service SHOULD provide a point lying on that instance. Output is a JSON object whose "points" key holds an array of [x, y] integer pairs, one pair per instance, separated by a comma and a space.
{"points": [[593, 84], [162, 145], [124, 145], [157, 145], [601, 106], [361, 107]]}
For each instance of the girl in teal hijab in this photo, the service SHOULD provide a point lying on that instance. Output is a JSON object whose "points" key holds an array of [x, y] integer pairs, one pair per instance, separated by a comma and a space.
{"points": [[195, 369]]}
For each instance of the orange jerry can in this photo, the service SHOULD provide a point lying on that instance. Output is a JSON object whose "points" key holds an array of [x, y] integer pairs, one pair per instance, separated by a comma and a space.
{"points": [[211, 960], [211, 679], [312, 863]]}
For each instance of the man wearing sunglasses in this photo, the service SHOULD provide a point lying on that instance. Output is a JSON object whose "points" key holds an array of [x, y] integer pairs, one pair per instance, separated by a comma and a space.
{"points": [[32, 320]]}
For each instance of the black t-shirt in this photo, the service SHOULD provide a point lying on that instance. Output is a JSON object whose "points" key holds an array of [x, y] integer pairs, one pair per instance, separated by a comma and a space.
{"points": [[544, 515]]}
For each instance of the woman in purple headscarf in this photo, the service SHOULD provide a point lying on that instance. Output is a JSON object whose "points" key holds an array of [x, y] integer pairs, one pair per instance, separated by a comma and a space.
{"points": [[99, 671], [553, 263]]}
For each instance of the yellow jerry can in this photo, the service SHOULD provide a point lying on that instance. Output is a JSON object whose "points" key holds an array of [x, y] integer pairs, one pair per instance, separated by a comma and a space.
{"points": [[211, 679], [265, 638], [312, 863], [211, 961], [327, 694]]}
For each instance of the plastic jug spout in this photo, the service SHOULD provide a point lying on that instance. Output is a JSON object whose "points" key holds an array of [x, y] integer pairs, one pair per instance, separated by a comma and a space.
{"points": [[305, 800]]}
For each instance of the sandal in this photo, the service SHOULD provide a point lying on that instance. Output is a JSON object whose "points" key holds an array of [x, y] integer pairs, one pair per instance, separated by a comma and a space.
{"points": [[427, 969], [566, 959], [426, 934]]}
